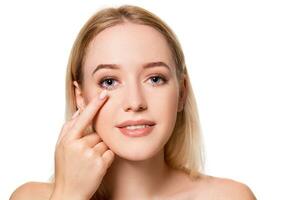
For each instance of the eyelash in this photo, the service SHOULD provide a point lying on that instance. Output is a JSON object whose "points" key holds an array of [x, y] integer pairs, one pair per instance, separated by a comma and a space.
{"points": [[103, 80]]}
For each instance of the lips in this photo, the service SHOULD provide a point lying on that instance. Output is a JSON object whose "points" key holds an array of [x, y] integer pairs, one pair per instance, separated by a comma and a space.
{"points": [[140, 132], [135, 122]]}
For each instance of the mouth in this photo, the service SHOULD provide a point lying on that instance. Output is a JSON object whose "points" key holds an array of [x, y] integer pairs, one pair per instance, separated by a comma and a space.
{"points": [[136, 123], [137, 128], [137, 131]]}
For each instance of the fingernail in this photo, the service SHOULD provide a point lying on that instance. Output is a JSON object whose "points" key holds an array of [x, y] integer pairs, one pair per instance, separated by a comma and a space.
{"points": [[75, 114], [103, 94]]}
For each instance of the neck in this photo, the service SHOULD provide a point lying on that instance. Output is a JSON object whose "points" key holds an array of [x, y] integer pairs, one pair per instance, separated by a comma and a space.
{"points": [[127, 179]]}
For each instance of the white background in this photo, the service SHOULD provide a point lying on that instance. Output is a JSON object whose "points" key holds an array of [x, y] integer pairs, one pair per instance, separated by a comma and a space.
{"points": [[244, 62]]}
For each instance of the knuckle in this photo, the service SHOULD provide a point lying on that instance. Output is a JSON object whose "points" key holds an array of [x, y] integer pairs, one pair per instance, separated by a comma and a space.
{"points": [[100, 162], [104, 147], [109, 155], [88, 153], [100, 147], [112, 155], [95, 138], [80, 146], [97, 135]]}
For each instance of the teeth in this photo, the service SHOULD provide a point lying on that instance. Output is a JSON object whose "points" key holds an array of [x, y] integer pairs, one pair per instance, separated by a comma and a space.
{"points": [[133, 127]]}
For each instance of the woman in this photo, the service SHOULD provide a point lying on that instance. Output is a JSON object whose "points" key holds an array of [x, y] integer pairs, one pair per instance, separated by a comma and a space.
{"points": [[132, 129]]}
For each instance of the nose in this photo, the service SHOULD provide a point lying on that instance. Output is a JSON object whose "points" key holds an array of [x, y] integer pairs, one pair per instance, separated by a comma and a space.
{"points": [[134, 99]]}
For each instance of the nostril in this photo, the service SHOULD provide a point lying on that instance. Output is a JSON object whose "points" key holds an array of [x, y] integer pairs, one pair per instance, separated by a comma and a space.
{"points": [[136, 108]]}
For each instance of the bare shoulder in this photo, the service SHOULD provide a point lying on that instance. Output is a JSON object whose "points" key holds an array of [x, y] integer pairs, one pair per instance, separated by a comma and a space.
{"points": [[225, 189], [32, 191]]}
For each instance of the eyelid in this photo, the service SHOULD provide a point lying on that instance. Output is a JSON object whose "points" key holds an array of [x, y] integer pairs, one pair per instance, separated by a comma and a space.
{"points": [[160, 75], [104, 78]]}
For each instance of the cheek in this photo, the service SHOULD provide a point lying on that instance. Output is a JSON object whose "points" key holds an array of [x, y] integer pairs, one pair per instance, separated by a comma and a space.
{"points": [[164, 103], [163, 106], [104, 120]]}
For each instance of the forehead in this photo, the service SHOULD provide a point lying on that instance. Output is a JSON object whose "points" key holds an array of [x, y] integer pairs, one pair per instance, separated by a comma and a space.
{"points": [[128, 45]]}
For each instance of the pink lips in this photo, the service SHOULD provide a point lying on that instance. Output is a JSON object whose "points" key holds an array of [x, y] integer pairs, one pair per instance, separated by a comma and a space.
{"points": [[136, 122], [136, 132]]}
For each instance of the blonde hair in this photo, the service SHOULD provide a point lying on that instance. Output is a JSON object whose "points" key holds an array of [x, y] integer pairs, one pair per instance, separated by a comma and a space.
{"points": [[184, 150]]}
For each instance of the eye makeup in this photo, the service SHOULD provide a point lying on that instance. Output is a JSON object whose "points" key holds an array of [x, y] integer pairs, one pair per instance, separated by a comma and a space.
{"points": [[109, 82]]}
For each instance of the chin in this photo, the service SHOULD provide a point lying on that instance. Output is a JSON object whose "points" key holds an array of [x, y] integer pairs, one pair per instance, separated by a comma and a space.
{"points": [[130, 149], [135, 154], [137, 151]]}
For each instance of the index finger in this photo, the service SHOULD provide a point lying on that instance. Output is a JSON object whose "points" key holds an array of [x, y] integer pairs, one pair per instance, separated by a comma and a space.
{"points": [[87, 115]]}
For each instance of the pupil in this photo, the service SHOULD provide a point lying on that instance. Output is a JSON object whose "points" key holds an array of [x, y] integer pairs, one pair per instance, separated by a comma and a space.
{"points": [[109, 81]]}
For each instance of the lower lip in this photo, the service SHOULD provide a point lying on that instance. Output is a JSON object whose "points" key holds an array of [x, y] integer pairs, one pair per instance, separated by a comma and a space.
{"points": [[137, 132]]}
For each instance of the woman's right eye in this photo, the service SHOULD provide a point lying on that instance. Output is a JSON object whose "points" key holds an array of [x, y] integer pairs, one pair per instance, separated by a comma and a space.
{"points": [[107, 83]]}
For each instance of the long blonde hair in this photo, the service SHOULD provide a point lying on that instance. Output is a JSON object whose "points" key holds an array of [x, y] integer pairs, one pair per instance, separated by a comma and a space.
{"points": [[184, 150]]}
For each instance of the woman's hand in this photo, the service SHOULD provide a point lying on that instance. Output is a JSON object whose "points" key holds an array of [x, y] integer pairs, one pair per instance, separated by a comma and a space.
{"points": [[81, 160]]}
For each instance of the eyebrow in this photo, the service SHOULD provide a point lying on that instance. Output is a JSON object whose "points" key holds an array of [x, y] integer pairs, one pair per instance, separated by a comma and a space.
{"points": [[145, 66]]}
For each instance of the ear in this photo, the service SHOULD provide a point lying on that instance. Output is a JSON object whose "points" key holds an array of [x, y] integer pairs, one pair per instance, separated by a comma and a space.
{"points": [[80, 103], [182, 94]]}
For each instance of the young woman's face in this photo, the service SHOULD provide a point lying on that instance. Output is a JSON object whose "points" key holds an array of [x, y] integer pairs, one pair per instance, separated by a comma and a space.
{"points": [[135, 92]]}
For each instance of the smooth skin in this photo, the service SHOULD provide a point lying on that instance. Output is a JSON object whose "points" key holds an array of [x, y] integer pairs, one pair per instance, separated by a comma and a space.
{"points": [[134, 172], [79, 179]]}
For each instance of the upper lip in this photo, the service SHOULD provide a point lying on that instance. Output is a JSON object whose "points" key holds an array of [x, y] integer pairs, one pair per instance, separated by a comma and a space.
{"points": [[136, 122]]}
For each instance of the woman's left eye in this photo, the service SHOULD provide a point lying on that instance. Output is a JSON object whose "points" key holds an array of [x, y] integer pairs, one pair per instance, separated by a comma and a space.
{"points": [[157, 80]]}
